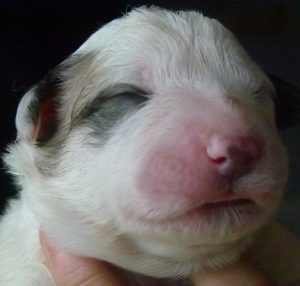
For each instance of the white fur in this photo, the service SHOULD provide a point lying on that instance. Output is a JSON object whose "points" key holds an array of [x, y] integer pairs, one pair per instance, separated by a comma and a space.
{"points": [[79, 196]]}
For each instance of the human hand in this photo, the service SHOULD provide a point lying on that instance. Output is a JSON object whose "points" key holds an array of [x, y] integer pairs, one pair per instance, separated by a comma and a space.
{"points": [[69, 270], [245, 272]]}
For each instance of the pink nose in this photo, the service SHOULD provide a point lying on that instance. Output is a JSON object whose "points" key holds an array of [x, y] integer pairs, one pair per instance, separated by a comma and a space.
{"points": [[232, 157]]}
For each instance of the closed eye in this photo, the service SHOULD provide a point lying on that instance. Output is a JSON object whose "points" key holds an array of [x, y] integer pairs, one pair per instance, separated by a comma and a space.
{"points": [[111, 106], [136, 97], [265, 95]]}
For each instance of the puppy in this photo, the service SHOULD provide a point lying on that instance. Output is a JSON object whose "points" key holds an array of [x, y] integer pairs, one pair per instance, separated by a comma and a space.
{"points": [[154, 147]]}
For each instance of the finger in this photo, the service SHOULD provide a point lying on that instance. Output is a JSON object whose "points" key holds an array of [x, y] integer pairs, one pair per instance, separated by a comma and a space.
{"points": [[69, 270], [243, 273]]}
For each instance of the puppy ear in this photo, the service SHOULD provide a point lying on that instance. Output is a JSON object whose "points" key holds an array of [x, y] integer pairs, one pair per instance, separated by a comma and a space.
{"points": [[36, 118], [287, 105]]}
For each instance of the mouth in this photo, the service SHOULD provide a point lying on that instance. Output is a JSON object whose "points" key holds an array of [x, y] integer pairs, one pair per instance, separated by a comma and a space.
{"points": [[234, 212], [224, 220], [226, 204], [216, 209]]}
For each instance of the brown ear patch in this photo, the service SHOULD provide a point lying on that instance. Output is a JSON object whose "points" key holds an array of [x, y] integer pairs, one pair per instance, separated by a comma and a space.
{"points": [[46, 125], [42, 111]]}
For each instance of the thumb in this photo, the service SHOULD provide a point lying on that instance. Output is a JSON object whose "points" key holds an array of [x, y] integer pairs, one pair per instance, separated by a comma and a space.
{"points": [[243, 273], [71, 270]]}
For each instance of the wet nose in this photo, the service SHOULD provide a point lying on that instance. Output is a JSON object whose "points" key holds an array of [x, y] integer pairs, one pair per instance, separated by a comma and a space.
{"points": [[232, 157]]}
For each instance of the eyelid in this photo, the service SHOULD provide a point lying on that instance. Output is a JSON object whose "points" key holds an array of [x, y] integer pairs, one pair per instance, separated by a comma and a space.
{"points": [[130, 92], [264, 93], [122, 89]]}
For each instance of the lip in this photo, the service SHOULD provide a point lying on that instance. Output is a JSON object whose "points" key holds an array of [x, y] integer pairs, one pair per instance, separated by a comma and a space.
{"points": [[227, 203], [215, 210], [208, 212], [225, 220], [231, 211], [215, 220], [228, 196]]}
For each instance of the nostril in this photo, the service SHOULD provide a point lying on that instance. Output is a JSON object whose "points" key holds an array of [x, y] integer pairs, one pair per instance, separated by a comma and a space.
{"points": [[219, 160], [232, 157]]}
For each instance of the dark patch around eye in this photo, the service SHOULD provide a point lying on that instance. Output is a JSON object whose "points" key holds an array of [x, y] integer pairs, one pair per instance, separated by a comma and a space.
{"points": [[105, 112]]}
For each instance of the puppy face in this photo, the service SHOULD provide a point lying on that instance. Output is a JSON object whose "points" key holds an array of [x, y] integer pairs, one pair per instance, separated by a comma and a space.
{"points": [[154, 146]]}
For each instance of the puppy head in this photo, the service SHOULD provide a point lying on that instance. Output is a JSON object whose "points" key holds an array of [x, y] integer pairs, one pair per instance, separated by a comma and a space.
{"points": [[154, 146]]}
